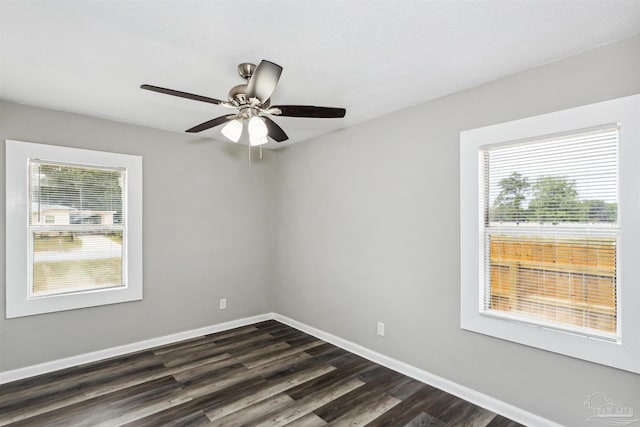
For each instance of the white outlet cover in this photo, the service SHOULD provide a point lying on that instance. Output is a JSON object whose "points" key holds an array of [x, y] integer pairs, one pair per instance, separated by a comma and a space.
{"points": [[380, 328], [223, 303]]}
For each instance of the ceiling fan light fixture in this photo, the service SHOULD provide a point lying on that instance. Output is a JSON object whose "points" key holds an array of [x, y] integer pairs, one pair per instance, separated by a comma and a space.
{"points": [[257, 128], [257, 140], [233, 130]]}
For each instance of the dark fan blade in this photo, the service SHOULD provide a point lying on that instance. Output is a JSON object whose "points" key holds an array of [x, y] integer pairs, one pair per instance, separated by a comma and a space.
{"points": [[308, 111], [210, 124], [275, 132], [264, 81], [181, 94]]}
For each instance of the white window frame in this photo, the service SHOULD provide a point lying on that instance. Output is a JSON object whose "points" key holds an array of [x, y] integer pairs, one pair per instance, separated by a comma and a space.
{"points": [[623, 353], [19, 301]]}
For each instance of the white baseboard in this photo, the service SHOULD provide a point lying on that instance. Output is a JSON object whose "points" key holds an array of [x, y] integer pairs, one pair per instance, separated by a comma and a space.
{"points": [[94, 356], [475, 397], [461, 391]]}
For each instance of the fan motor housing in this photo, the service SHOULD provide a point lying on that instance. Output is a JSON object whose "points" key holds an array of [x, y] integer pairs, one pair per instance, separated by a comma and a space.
{"points": [[238, 94]]}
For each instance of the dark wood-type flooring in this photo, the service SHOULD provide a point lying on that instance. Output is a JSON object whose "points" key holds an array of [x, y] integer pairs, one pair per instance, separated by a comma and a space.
{"points": [[267, 374]]}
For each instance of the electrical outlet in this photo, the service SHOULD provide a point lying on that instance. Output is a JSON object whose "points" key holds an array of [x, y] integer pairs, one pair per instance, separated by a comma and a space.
{"points": [[223, 303], [381, 329]]}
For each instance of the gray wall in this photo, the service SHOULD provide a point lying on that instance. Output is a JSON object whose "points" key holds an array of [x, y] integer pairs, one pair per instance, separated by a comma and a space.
{"points": [[207, 227], [368, 230]]}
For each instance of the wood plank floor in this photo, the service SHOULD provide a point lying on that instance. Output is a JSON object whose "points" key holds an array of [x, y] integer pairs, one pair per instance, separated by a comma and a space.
{"points": [[267, 374]]}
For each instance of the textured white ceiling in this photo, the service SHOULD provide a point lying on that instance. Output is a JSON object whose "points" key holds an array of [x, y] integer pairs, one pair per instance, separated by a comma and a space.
{"points": [[371, 57]]}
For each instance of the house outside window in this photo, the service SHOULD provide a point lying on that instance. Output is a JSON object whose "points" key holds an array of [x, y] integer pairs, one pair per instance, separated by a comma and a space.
{"points": [[549, 236]]}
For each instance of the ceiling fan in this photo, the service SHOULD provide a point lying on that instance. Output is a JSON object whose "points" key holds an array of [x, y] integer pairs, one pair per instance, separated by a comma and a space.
{"points": [[252, 101]]}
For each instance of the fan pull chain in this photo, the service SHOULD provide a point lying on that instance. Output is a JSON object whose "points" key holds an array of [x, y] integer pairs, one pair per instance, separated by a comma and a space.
{"points": [[261, 152]]}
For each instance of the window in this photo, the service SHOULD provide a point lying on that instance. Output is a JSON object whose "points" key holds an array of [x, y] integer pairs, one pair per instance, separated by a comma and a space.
{"points": [[84, 250], [547, 259], [550, 215], [80, 211]]}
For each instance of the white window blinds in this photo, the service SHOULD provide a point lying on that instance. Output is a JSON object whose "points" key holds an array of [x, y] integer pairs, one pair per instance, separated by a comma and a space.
{"points": [[77, 219], [550, 215]]}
